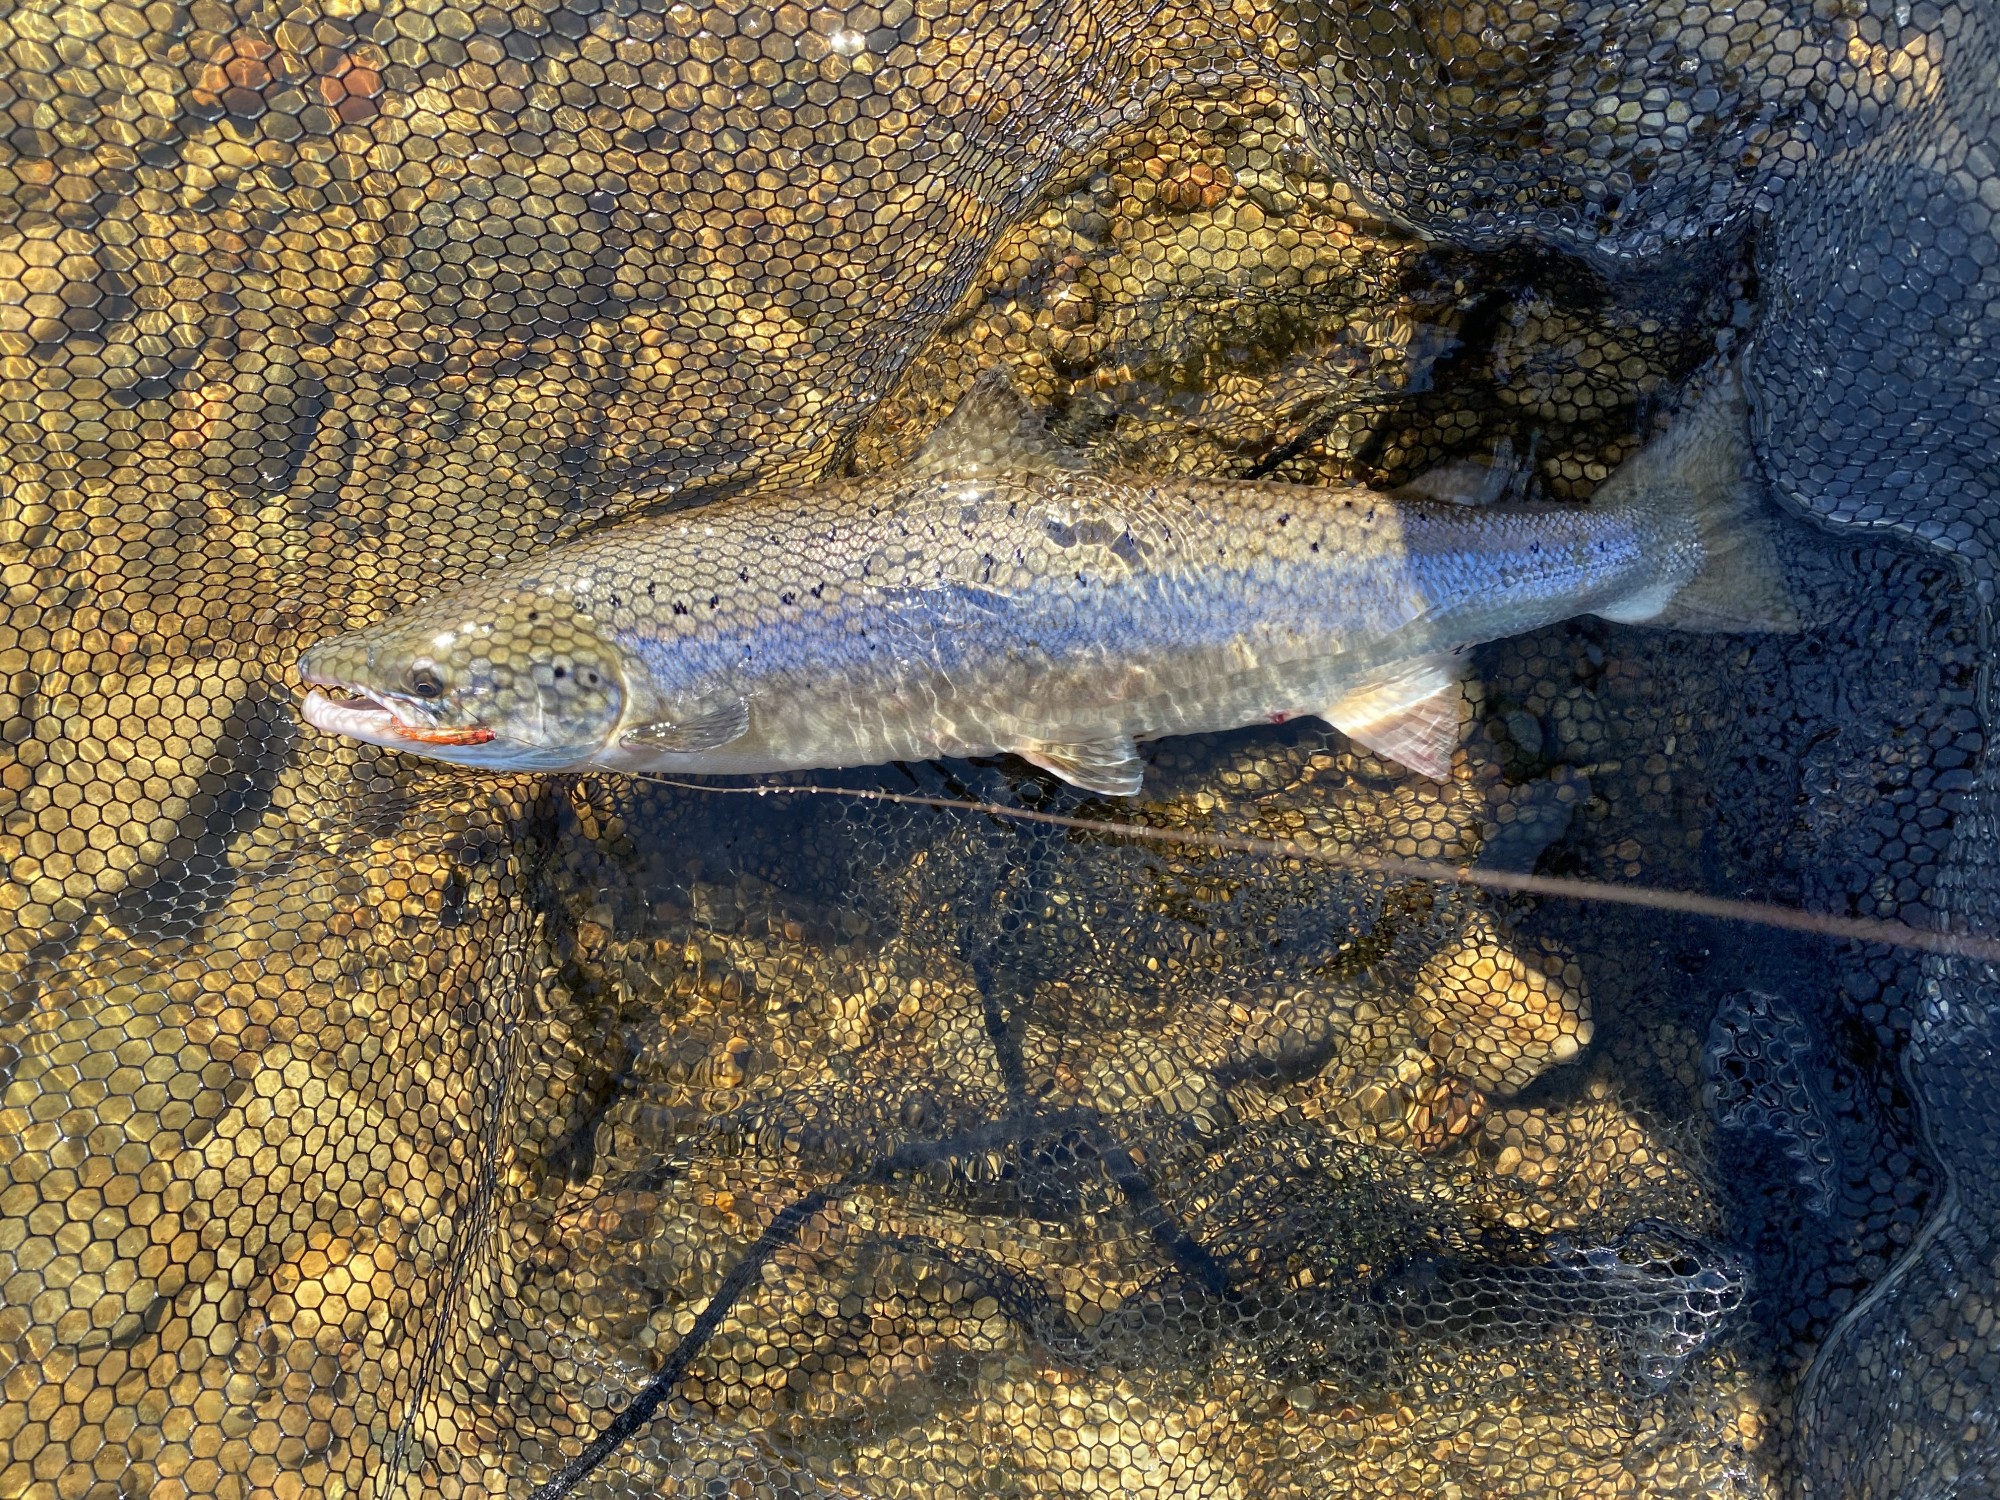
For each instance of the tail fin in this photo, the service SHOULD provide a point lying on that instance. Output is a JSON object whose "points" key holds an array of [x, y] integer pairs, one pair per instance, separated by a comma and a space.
{"points": [[1701, 467]]}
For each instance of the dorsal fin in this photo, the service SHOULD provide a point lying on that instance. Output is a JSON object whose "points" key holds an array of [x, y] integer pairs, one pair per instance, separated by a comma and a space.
{"points": [[993, 430]]}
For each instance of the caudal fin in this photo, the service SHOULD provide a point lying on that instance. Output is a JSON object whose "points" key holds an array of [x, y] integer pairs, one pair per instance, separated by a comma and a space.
{"points": [[1701, 468]]}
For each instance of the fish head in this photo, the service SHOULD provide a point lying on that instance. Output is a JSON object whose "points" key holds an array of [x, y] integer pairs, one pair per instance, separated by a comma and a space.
{"points": [[516, 681]]}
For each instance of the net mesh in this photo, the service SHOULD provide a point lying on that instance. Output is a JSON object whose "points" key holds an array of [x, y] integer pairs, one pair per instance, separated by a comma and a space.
{"points": [[369, 1128]]}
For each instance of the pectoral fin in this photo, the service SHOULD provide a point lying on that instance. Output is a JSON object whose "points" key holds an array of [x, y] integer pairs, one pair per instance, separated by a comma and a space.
{"points": [[1409, 716], [1109, 766], [709, 727]]}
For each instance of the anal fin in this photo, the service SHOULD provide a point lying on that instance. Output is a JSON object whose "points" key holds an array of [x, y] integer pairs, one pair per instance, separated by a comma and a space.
{"points": [[1408, 714], [1108, 766]]}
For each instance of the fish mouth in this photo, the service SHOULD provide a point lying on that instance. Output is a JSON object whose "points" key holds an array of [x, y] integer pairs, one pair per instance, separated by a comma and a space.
{"points": [[362, 715]]}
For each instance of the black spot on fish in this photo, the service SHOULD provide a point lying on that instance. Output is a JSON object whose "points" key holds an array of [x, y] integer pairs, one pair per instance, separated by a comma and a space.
{"points": [[787, 598], [1120, 543], [818, 589], [715, 601], [1315, 546], [742, 575], [680, 608]]}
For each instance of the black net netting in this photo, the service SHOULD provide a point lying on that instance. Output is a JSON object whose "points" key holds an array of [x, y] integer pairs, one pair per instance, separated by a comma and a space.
{"points": [[370, 1128]]}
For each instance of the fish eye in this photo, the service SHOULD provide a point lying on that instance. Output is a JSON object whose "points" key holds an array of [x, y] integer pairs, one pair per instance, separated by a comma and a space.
{"points": [[425, 680]]}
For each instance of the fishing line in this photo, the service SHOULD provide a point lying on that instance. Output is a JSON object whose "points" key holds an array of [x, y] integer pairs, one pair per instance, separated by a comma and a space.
{"points": [[1684, 903]]}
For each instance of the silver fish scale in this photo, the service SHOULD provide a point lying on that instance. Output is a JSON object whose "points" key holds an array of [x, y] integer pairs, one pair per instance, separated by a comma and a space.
{"points": [[918, 615]]}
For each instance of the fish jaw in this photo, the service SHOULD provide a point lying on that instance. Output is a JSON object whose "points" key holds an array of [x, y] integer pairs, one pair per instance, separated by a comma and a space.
{"points": [[364, 717], [373, 722], [338, 702]]}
